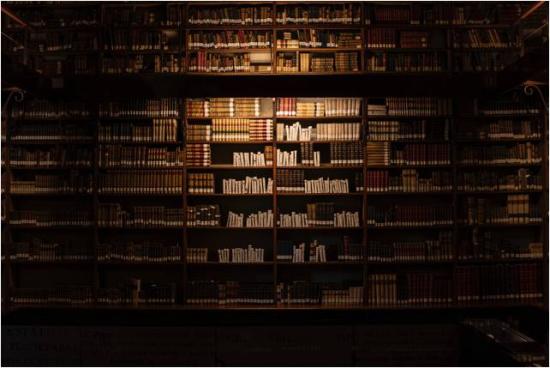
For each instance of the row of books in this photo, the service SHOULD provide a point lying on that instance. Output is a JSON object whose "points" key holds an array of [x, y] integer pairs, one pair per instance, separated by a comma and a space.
{"points": [[228, 292], [506, 107], [409, 215], [518, 153], [201, 183], [197, 255], [411, 288], [42, 218], [393, 38], [230, 15], [393, 130], [204, 62], [306, 62], [198, 154], [248, 185], [229, 107], [66, 157], [381, 154], [140, 108], [45, 109], [55, 17], [141, 63], [259, 219], [161, 15], [139, 156], [242, 39], [485, 61], [318, 252], [318, 14], [516, 209], [297, 292], [241, 255], [442, 13], [159, 130], [490, 283], [318, 38], [410, 180], [55, 41], [140, 40], [317, 107], [410, 106], [320, 214], [299, 253], [262, 14], [500, 129], [141, 181], [42, 250], [204, 215], [114, 215], [487, 244], [226, 130], [485, 38], [139, 252], [148, 293], [406, 63], [523, 179], [72, 183], [440, 249], [47, 132], [320, 132], [254, 159]]}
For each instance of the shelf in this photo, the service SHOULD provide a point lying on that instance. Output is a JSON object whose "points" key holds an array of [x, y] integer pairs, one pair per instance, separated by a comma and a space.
{"points": [[496, 192], [409, 227], [58, 194], [407, 166], [498, 140], [322, 167], [322, 118], [531, 224], [497, 304], [231, 264], [319, 49], [38, 142], [293, 194], [231, 50], [487, 164], [33, 168], [407, 193], [222, 195], [225, 228], [229, 167], [320, 264], [230, 142], [142, 194]]}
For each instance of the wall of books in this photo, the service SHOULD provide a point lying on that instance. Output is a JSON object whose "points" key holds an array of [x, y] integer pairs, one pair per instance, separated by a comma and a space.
{"points": [[264, 38], [348, 202]]}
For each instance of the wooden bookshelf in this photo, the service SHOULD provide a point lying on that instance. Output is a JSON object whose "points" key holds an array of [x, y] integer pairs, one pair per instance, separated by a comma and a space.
{"points": [[177, 21], [272, 271]]}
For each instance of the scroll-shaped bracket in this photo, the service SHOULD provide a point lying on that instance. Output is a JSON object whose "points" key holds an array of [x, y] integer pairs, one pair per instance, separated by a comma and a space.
{"points": [[14, 93], [529, 87]]}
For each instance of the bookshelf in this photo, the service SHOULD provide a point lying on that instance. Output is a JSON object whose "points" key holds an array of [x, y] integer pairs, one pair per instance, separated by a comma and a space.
{"points": [[266, 38], [357, 202], [328, 226]]}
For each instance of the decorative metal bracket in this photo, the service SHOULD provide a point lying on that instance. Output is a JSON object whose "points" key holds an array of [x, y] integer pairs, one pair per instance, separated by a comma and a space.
{"points": [[529, 87], [15, 93]]}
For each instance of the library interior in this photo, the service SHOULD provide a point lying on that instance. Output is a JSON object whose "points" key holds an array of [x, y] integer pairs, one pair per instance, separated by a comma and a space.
{"points": [[274, 183]]}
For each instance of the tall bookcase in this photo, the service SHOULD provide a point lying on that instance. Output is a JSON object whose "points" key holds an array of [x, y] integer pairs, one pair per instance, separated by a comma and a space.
{"points": [[431, 232]]}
